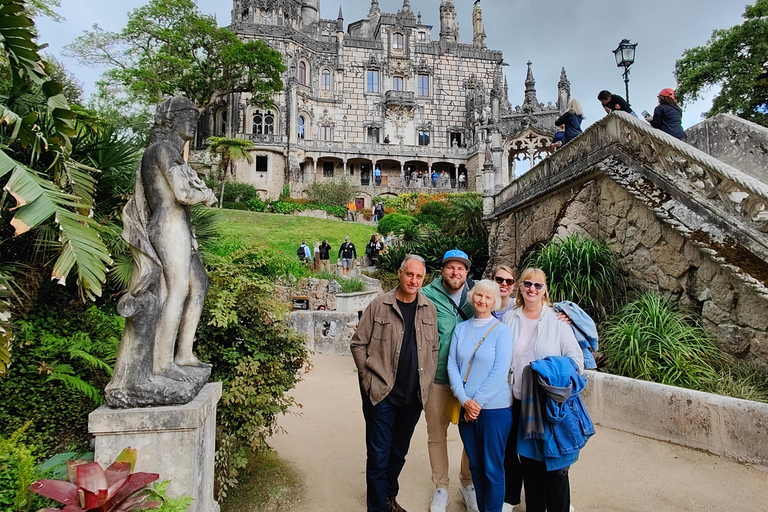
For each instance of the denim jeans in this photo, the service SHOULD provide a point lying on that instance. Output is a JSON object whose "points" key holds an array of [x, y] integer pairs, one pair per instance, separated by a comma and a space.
{"points": [[388, 432], [485, 441]]}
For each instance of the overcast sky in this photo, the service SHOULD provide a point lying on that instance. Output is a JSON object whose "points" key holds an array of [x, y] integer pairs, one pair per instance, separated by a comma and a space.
{"points": [[577, 34]]}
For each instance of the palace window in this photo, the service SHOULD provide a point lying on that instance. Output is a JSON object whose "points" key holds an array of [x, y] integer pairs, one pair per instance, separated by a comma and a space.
{"points": [[263, 123], [372, 134], [262, 164], [397, 83], [423, 89], [397, 41], [301, 127], [302, 72], [455, 139], [326, 133], [423, 138], [325, 80], [223, 122], [373, 80]]}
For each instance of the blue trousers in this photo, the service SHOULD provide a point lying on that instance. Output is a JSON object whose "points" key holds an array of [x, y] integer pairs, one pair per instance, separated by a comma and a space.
{"points": [[388, 432], [485, 441]]}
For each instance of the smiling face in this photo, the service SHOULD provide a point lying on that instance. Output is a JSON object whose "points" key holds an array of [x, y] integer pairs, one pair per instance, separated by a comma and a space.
{"points": [[483, 300], [411, 277], [506, 282], [531, 295], [454, 276]]}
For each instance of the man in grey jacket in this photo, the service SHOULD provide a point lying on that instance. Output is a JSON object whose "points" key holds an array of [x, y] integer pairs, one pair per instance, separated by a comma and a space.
{"points": [[395, 351]]}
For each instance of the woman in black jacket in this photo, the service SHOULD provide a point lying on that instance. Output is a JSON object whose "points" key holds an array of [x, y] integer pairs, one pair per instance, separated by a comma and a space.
{"points": [[668, 115], [572, 119]]}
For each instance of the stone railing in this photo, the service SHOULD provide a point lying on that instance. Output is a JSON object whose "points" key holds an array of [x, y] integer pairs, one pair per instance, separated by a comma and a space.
{"points": [[263, 138], [699, 176], [393, 150]]}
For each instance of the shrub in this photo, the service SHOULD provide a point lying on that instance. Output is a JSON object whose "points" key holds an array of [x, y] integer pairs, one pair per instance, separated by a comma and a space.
{"points": [[284, 207], [235, 205], [17, 465], [394, 222], [336, 192], [650, 339], [433, 213], [348, 284], [256, 356], [583, 270], [257, 204]]}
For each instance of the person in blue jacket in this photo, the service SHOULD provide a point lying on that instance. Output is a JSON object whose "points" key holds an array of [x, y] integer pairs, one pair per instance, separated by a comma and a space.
{"points": [[668, 115], [536, 334], [572, 119], [478, 364]]}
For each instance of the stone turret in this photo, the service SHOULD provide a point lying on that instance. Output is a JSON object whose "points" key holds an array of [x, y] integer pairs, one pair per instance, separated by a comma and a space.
{"points": [[449, 27], [563, 92], [340, 22], [478, 30], [531, 104], [374, 11], [310, 12]]}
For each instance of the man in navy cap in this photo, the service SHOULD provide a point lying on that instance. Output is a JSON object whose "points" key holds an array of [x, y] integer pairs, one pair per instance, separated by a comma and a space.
{"points": [[449, 294]]}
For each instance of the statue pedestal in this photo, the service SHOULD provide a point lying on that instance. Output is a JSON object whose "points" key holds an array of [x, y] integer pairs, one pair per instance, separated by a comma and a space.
{"points": [[178, 442]]}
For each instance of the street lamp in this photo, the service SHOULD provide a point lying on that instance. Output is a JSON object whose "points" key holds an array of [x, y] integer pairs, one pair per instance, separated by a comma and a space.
{"points": [[625, 57]]}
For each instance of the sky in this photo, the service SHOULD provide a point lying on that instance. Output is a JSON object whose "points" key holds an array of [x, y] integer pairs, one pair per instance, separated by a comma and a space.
{"points": [[579, 35]]}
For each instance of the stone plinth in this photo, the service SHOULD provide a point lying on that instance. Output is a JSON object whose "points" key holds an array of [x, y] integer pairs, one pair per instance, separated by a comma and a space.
{"points": [[178, 442]]}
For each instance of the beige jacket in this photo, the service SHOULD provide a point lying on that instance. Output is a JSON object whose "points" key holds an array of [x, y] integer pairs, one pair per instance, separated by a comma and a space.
{"points": [[376, 345]]}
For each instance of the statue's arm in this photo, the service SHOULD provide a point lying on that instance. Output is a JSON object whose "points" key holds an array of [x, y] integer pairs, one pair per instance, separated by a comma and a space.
{"points": [[187, 187]]}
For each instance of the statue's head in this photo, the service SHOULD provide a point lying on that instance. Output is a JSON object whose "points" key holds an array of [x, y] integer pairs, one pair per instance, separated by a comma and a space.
{"points": [[178, 114]]}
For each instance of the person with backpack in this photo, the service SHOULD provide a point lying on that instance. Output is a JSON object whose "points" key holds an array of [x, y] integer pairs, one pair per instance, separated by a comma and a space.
{"points": [[324, 252], [304, 253]]}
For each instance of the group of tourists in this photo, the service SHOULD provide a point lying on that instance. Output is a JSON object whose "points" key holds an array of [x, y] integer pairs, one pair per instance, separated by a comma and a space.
{"points": [[667, 116], [493, 356]]}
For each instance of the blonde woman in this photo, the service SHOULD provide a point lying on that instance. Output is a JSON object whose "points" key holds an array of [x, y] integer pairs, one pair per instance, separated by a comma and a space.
{"points": [[572, 119], [505, 278], [538, 333]]}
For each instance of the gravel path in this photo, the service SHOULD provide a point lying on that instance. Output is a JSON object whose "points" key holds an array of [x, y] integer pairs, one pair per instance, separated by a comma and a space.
{"points": [[324, 441]]}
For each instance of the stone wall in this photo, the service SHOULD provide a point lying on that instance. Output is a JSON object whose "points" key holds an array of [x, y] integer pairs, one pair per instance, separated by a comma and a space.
{"points": [[327, 332], [656, 256], [320, 292], [735, 141]]}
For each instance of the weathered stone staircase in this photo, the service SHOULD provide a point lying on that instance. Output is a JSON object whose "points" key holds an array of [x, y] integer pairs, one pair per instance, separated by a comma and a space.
{"points": [[685, 223]]}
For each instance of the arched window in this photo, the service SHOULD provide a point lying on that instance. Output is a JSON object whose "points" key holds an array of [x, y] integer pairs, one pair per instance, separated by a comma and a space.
{"points": [[325, 80], [303, 72], [397, 83], [263, 123], [301, 128], [397, 41]]}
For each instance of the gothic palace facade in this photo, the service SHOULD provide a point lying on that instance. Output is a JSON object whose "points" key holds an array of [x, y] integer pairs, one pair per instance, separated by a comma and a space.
{"points": [[382, 94]]}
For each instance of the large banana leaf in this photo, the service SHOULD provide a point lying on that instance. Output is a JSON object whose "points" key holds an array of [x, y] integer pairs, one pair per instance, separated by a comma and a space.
{"points": [[82, 248], [18, 38]]}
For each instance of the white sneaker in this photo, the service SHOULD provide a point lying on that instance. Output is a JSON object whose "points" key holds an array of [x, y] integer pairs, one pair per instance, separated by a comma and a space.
{"points": [[439, 500], [467, 496], [507, 507]]}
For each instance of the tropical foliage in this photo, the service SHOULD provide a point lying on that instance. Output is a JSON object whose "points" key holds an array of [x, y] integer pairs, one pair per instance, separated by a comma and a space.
{"points": [[582, 270], [229, 150], [732, 60], [337, 192], [169, 47]]}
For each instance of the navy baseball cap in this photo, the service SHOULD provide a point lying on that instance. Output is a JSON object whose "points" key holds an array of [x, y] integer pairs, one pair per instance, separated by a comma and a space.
{"points": [[456, 255]]}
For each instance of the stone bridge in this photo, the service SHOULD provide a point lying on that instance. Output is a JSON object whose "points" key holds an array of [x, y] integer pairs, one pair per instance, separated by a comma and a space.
{"points": [[684, 223]]}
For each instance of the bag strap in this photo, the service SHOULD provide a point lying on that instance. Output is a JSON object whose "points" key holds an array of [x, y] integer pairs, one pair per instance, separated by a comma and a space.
{"points": [[458, 310], [471, 359]]}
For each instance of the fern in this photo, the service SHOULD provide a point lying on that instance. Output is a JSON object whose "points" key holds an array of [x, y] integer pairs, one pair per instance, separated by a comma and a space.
{"points": [[65, 374], [91, 360]]}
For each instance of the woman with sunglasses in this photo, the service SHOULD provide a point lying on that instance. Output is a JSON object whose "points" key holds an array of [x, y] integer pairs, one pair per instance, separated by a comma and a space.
{"points": [[505, 278], [478, 364], [536, 333]]}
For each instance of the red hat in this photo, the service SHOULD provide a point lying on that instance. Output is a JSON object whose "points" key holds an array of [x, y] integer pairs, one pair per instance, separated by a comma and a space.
{"points": [[668, 92]]}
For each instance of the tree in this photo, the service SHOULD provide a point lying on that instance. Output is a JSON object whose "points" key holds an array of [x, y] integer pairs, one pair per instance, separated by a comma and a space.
{"points": [[230, 151], [168, 47], [732, 59]]}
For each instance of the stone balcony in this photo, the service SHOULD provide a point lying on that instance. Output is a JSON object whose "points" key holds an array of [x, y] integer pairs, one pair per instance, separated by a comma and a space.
{"points": [[400, 99], [264, 139]]}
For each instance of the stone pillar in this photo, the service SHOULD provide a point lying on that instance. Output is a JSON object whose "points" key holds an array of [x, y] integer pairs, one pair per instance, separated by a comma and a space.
{"points": [[178, 442]]}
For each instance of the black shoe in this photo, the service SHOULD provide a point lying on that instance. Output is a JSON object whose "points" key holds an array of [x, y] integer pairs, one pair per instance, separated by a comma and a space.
{"points": [[394, 506]]}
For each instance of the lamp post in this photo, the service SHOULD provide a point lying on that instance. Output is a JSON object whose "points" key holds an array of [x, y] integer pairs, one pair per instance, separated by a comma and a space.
{"points": [[625, 57]]}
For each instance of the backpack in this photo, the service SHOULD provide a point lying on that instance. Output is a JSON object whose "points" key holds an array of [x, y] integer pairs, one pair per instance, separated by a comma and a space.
{"points": [[300, 252]]}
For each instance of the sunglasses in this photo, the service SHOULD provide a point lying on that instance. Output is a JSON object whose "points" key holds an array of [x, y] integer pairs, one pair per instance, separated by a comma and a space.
{"points": [[528, 284], [501, 280]]}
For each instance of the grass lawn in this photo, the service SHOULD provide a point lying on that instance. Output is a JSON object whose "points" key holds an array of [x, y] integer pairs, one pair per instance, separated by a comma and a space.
{"points": [[285, 232], [268, 484]]}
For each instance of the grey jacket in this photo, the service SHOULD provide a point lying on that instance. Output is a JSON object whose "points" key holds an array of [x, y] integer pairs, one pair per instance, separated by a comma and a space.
{"points": [[376, 345]]}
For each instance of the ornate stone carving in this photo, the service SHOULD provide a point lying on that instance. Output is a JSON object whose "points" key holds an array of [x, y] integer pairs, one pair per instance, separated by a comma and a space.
{"points": [[400, 115], [399, 67], [155, 365]]}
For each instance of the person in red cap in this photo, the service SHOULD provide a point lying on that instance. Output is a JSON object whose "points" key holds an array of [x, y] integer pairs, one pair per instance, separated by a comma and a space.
{"points": [[668, 115]]}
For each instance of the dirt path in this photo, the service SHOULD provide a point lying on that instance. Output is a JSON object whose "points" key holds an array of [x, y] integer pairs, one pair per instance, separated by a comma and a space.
{"points": [[616, 472]]}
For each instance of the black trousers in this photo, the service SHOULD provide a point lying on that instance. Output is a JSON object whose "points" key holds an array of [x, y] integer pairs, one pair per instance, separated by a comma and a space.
{"points": [[548, 491], [513, 472]]}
